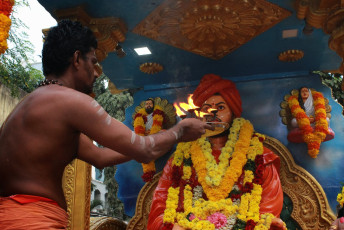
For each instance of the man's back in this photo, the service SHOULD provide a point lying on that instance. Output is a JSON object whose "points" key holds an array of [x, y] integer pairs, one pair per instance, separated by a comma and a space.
{"points": [[36, 144]]}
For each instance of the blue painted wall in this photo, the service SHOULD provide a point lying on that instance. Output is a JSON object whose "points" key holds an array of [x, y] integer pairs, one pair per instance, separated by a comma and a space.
{"points": [[261, 105]]}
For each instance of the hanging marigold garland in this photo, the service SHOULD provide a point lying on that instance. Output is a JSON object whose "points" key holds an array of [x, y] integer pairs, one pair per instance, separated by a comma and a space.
{"points": [[228, 206], [340, 197], [5, 23], [140, 128], [313, 137]]}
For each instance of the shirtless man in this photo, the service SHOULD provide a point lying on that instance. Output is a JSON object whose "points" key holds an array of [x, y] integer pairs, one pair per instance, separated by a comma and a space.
{"points": [[55, 124]]}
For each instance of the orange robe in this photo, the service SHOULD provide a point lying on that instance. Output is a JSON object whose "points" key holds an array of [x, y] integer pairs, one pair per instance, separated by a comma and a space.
{"points": [[272, 195], [26, 213]]}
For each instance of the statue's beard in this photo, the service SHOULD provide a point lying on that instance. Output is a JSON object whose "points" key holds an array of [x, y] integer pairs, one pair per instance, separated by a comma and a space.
{"points": [[149, 110]]}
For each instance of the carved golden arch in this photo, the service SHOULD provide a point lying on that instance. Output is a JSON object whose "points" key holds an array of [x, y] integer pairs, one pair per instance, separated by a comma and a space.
{"points": [[310, 206]]}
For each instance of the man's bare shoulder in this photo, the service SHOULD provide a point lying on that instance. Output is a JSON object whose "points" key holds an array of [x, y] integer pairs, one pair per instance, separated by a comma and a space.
{"points": [[58, 96]]}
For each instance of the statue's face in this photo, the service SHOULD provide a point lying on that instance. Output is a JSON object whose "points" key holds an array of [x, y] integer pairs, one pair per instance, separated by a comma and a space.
{"points": [[304, 93], [149, 106], [224, 113]]}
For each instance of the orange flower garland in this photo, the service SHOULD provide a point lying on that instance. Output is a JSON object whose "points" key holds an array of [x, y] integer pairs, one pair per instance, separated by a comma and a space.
{"points": [[313, 137], [5, 23], [140, 128]]}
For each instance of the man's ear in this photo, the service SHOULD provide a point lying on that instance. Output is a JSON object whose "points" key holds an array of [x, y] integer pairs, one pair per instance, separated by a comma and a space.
{"points": [[76, 58]]}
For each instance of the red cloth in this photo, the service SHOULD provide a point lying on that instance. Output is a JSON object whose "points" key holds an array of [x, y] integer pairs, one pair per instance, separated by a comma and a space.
{"points": [[272, 196], [211, 84], [24, 199], [23, 212]]}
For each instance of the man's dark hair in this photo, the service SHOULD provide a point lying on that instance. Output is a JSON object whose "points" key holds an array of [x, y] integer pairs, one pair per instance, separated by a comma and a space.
{"points": [[150, 99], [61, 43]]}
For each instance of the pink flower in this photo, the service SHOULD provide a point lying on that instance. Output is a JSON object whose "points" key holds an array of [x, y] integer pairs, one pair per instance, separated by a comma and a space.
{"points": [[218, 219], [192, 216]]}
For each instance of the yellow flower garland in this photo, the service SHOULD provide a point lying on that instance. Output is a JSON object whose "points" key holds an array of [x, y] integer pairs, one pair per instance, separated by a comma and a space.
{"points": [[139, 128], [340, 197], [249, 205], [230, 174], [5, 23], [313, 138]]}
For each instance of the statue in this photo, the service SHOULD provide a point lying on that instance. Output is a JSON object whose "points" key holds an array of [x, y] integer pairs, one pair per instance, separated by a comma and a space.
{"points": [[227, 181], [150, 117], [307, 114]]}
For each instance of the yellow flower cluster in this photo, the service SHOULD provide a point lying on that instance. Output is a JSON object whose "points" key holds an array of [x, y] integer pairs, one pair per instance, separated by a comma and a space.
{"points": [[340, 197], [156, 127], [264, 222], [171, 205], [240, 146], [231, 173], [5, 23]]}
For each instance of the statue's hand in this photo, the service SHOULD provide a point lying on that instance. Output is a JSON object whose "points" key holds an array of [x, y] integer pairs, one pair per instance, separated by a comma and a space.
{"points": [[277, 224], [177, 227], [311, 119]]}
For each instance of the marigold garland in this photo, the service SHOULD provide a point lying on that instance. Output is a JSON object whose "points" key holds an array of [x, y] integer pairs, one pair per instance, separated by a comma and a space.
{"points": [[222, 210], [313, 137], [140, 128], [340, 197], [5, 23]]}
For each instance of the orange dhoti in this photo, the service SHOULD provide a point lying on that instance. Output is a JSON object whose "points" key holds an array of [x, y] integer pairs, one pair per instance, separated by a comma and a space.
{"points": [[30, 213]]}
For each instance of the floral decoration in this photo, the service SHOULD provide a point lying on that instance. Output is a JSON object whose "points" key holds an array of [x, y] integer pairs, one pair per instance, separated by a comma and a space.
{"points": [[140, 128], [340, 197], [228, 206], [5, 23], [313, 137]]}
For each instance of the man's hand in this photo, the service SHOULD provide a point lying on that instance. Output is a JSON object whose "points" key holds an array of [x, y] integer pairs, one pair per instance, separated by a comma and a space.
{"points": [[192, 129], [277, 224]]}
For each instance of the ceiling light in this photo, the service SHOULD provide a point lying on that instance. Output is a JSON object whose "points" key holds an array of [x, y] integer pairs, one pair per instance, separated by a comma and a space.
{"points": [[142, 51], [289, 33]]}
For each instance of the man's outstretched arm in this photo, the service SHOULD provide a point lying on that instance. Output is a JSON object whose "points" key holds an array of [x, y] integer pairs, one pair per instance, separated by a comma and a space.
{"points": [[86, 116], [101, 157]]}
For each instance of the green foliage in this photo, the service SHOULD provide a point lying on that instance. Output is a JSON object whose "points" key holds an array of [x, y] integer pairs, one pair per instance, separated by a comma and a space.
{"points": [[114, 105], [333, 81], [15, 71]]}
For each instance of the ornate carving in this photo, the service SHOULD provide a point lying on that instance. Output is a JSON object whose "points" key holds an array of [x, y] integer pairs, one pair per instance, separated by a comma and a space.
{"points": [[107, 223], [311, 209], [76, 183], [211, 28], [168, 108], [108, 31], [328, 15], [285, 112], [68, 189], [151, 67], [290, 55], [310, 206], [315, 12], [143, 204]]}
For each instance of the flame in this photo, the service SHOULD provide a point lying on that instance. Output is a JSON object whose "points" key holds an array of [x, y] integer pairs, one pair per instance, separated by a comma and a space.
{"points": [[187, 106], [190, 102], [178, 110], [201, 114]]}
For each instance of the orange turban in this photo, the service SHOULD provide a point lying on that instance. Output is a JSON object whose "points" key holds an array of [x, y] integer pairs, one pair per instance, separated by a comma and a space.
{"points": [[211, 84]]}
